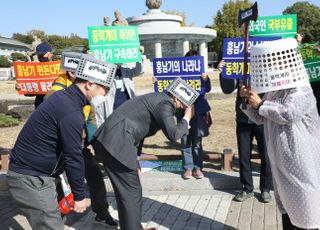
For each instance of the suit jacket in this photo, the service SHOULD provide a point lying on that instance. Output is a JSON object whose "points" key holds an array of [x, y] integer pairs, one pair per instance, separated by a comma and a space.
{"points": [[136, 119]]}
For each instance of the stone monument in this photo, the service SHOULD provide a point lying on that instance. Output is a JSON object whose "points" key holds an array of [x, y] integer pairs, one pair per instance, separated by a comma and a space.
{"points": [[35, 43], [106, 21], [153, 4], [119, 21], [31, 55], [163, 36]]}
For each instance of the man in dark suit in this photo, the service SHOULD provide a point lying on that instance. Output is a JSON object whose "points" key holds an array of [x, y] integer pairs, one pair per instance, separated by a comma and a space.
{"points": [[116, 141]]}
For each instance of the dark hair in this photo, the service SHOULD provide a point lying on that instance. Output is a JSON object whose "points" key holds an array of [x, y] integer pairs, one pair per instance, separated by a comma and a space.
{"points": [[170, 94], [85, 50], [79, 80], [191, 53]]}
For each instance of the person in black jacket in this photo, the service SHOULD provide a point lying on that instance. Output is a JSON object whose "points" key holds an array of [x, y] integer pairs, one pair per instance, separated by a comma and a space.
{"points": [[316, 91], [44, 54], [49, 143], [247, 130]]}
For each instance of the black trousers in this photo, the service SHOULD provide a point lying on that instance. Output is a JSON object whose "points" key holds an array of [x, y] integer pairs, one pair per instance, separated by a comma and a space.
{"points": [[98, 193], [38, 100], [287, 225], [245, 134], [120, 98], [127, 187]]}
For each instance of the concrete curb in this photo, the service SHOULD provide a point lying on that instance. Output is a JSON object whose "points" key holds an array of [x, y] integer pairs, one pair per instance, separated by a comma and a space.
{"points": [[169, 181], [172, 181]]}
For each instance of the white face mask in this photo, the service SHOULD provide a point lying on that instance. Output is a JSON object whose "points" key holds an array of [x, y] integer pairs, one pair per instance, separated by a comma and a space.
{"points": [[97, 100]]}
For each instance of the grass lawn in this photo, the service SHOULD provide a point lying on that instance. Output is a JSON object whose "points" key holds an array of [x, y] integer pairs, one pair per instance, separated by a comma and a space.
{"points": [[8, 121]]}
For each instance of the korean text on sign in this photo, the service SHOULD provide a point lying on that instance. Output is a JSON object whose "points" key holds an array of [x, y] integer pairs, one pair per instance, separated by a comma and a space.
{"points": [[188, 68], [36, 77], [313, 69], [233, 55], [281, 25], [163, 82], [310, 53], [115, 44]]}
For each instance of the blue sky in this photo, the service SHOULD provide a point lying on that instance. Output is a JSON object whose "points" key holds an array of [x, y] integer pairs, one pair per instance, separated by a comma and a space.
{"points": [[63, 17]]}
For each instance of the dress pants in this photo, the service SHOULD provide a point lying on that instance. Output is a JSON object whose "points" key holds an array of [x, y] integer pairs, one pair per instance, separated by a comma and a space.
{"points": [[120, 98], [245, 134], [127, 187], [98, 193], [38, 100]]}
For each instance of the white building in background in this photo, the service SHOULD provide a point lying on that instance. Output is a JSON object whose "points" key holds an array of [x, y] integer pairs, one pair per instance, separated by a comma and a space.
{"points": [[9, 46]]}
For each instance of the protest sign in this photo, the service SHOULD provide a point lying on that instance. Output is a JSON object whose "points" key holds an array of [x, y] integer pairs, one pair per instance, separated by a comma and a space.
{"points": [[233, 49], [188, 68], [310, 53], [115, 44], [281, 25], [168, 166], [36, 77]]}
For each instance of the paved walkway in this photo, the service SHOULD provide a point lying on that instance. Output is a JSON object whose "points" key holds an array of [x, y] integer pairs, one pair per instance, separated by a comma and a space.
{"points": [[171, 210]]}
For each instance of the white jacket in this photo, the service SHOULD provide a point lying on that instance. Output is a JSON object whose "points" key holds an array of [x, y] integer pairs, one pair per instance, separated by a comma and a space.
{"points": [[292, 132]]}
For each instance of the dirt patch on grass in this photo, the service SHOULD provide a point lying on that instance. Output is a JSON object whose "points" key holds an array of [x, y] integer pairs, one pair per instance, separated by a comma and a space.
{"points": [[7, 87]]}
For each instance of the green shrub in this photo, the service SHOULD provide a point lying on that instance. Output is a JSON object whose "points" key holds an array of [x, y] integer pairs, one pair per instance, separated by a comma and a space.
{"points": [[18, 57], [4, 62], [7, 121]]}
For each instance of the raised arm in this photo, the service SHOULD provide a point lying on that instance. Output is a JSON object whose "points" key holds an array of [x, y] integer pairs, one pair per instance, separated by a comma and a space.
{"points": [[227, 85], [165, 118]]}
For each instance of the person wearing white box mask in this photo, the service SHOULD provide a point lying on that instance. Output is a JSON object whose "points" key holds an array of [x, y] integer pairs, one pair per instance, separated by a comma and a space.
{"points": [[117, 141], [292, 129], [51, 142]]}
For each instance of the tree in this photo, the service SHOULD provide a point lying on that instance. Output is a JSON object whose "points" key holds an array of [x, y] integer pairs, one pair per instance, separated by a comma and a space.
{"points": [[18, 57], [59, 42], [4, 62], [39, 33], [78, 41], [28, 39], [308, 20], [226, 24]]}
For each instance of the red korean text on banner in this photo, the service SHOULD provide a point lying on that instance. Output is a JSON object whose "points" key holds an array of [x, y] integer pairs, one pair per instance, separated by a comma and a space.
{"points": [[36, 77]]}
